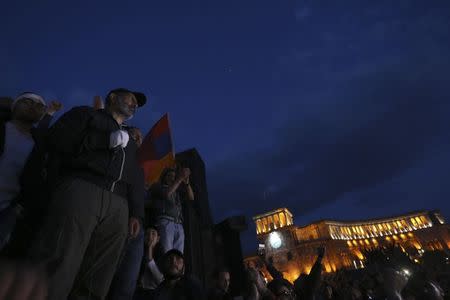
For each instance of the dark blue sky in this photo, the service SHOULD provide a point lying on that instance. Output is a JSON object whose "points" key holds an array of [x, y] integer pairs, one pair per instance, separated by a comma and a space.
{"points": [[334, 109]]}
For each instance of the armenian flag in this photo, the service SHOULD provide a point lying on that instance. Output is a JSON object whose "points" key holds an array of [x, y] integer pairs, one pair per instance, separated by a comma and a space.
{"points": [[156, 151]]}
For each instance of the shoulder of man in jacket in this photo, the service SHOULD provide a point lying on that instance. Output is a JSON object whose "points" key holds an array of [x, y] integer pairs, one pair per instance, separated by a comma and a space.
{"points": [[2, 136]]}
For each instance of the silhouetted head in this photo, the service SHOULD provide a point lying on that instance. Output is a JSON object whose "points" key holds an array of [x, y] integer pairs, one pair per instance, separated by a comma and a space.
{"points": [[28, 107], [124, 102], [173, 264]]}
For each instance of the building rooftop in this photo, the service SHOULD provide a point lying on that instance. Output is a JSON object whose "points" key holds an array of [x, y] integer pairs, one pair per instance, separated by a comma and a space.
{"points": [[278, 210], [375, 220]]}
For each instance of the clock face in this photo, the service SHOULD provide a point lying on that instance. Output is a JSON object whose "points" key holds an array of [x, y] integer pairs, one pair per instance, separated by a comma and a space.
{"points": [[275, 240]]}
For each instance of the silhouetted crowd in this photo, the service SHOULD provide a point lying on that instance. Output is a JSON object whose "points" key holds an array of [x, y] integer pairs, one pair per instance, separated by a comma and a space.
{"points": [[77, 220]]}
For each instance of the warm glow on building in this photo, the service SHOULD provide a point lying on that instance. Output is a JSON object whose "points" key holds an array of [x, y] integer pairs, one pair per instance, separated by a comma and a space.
{"points": [[293, 251], [273, 220]]}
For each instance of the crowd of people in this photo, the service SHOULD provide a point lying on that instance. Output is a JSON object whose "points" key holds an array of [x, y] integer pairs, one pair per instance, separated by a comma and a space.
{"points": [[72, 201], [389, 273], [78, 222]]}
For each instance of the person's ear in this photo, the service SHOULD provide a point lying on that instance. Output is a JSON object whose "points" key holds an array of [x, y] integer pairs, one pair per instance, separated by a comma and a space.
{"points": [[112, 98]]}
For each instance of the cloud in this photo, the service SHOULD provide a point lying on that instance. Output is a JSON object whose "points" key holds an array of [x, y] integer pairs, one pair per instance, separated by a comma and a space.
{"points": [[373, 129], [416, 188], [301, 13], [362, 103]]}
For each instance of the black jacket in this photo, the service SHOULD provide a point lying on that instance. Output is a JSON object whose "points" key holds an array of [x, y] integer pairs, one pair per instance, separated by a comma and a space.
{"points": [[79, 146]]}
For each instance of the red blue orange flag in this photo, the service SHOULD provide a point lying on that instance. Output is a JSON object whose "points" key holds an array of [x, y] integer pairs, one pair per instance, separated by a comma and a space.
{"points": [[156, 151]]}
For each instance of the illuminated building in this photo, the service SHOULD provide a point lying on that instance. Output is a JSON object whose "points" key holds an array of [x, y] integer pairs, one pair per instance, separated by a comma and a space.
{"points": [[292, 249]]}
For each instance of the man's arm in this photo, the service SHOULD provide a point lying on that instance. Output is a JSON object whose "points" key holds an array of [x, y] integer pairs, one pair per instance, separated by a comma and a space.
{"points": [[183, 177], [273, 271], [271, 268], [151, 265], [190, 192], [44, 123], [136, 194], [173, 188], [71, 133], [315, 274], [52, 108], [155, 273]]}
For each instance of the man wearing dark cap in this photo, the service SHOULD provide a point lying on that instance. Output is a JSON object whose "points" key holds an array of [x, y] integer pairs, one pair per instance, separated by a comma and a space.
{"points": [[177, 285], [96, 199]]}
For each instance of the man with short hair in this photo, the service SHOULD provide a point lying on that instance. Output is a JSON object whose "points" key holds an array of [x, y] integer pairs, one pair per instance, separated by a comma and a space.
{"points": [[95, 203], [22, 158], [220, 290], [167, 208], [177, 285]]}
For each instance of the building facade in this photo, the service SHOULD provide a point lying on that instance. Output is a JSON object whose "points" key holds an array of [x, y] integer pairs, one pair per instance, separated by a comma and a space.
{"points": [[292, 249]]}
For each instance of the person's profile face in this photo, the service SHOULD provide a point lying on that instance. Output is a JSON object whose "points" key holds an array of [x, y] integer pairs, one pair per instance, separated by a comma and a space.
{"points": [[152, 235], [170, 178], [224, 281], [29, 110], [124, 104]]}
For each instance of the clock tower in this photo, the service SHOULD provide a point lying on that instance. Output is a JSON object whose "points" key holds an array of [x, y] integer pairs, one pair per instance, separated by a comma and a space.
{"points": [[275, 231]]}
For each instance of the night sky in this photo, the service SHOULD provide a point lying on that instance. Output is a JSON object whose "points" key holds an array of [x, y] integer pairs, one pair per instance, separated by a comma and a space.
{"points": [[334, 109]]}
